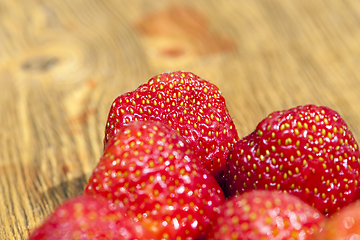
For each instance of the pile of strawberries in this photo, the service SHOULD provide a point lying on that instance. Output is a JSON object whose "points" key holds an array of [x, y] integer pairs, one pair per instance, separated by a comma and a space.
{"points": [[174, 167]]}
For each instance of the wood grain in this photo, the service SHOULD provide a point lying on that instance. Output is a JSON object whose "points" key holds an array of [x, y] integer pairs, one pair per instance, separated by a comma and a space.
{"points": [[63, 62]]}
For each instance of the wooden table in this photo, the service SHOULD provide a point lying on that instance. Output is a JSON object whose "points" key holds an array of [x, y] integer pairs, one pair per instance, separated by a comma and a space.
{"points": [[63, 62]]}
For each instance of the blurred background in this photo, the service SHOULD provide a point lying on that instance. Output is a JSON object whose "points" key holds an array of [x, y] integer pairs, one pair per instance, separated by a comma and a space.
{"points": [[63, 62]]}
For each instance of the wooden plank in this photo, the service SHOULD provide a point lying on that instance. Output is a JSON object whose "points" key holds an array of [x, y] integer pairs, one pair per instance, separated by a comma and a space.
{"points": [[63, 62]]}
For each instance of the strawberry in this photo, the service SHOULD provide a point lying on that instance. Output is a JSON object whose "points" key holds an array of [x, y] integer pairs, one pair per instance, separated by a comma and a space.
{"points": [[262, 214], [307, 151], [190, 105], [150, 170], [345, 225], [87, 217]]}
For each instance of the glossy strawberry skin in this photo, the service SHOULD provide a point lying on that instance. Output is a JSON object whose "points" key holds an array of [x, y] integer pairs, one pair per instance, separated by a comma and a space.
{"points": [[190, 105], [307, 151], [264, 214], [149, 169], [344, 225], [87, 217]]}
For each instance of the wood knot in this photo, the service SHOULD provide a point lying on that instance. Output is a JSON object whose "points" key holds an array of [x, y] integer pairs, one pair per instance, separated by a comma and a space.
{"points": [[181, 32], [40, 63]]}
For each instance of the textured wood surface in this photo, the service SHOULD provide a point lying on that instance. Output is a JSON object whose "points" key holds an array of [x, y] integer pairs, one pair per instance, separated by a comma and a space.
{"points": [[63, 62]]}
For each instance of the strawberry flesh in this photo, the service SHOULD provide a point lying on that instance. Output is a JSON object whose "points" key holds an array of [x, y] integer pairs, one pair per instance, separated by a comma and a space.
{"points": [[192, 106], [150, 170], [261, 214], [87, 217], [345, 225], [307, 151]]}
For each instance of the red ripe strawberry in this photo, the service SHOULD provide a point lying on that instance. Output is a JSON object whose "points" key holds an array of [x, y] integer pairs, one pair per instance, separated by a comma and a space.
{"points": [[344, 226], [87, 217], [148, 168], [307, 151], [190, 105], [261, 215]]}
